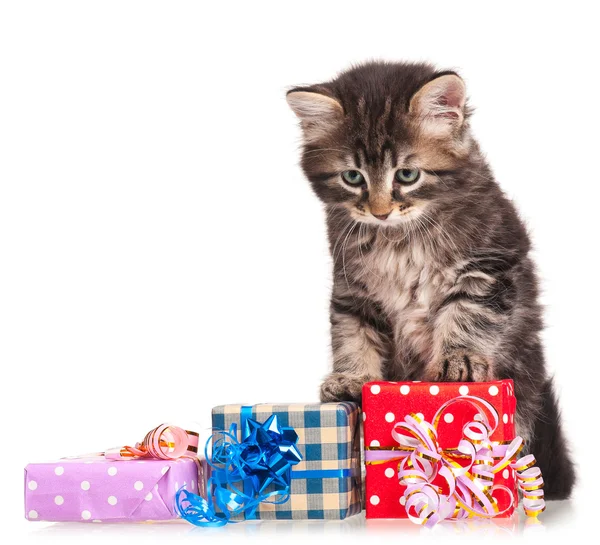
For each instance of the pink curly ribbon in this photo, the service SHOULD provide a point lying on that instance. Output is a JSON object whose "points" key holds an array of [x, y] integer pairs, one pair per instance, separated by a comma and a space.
{"points": [[165, 442], [470, 485]]}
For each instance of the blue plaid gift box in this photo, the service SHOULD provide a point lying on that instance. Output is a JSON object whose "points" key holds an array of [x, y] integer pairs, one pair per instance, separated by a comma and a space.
{"points": [[329, 441]]}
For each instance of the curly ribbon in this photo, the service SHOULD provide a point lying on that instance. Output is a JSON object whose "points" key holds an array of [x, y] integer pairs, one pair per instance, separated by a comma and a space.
{"points": [[469, 485], [165, 442], [244, 474]]}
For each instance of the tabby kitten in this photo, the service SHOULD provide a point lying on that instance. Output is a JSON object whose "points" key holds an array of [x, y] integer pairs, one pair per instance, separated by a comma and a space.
{"points": [[432, 276]]}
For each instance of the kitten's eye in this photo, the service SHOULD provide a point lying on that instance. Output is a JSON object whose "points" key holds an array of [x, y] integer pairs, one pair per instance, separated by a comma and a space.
{"points": [[407, 176], [353, 177]]}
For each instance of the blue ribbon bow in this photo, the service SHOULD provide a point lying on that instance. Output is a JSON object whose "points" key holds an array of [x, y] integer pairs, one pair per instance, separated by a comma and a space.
{"points": [[244, 474]]}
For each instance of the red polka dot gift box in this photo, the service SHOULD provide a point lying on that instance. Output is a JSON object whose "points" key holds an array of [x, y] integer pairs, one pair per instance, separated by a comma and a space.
{"points": [[419, 434]]}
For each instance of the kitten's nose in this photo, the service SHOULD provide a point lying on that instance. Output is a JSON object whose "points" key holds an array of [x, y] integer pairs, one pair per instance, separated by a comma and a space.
{"points": [[382, 216]]}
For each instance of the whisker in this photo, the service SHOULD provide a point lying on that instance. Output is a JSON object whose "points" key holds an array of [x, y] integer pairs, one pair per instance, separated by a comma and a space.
{"points": [[340, 236], [361, 255], [344, 246]]}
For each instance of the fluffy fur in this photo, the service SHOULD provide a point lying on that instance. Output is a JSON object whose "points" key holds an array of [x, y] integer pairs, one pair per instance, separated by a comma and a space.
{"points": [[432, 280]]}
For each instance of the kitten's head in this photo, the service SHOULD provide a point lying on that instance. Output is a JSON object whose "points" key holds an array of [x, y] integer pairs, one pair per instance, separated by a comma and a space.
{"points": [[384, 140]]}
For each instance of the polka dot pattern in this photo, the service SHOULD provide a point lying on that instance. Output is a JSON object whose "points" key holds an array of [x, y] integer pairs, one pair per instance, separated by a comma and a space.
{"points": [[405, 389], [374, 500], [85, 485], [32, 485], [59, 500], [375, 443], [463, 390], [389, 472], [434, 390], [138, 485], [59, 470], [449, 418], [493, 390], [389, 417], [112, 471], [33, 514], [112, 500], [375, 389], [86, 515]]}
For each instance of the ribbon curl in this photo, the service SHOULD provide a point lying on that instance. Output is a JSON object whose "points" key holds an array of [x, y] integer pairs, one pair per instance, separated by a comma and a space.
{"points": [[165, 442], [244, 474], [469, 486]]}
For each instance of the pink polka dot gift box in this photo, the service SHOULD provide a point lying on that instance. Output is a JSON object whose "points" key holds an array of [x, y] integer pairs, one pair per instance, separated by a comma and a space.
{"points": [[122, 484], [440, 450], [97, 489]]}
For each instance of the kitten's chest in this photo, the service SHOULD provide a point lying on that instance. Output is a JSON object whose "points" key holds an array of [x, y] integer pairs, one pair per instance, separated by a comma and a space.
{"points": [[406, 282]]}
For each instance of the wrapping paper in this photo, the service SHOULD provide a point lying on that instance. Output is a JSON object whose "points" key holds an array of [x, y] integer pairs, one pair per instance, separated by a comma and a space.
{"points": [[96, 489], [329, 439], [385, 403]]}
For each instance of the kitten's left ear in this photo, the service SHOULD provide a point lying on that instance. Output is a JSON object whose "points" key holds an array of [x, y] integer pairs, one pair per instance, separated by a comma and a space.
{"points": [[439, 106]]}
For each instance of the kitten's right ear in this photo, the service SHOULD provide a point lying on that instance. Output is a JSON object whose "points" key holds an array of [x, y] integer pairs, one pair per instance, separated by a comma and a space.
{"points": [[312, 106], [317, 112]]}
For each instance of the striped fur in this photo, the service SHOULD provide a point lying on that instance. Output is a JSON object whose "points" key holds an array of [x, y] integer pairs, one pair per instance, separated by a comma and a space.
{"points": [[444, 289]]}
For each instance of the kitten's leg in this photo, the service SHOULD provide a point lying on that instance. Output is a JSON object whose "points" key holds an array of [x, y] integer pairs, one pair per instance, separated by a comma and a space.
{"points": [[465, 338], [359, 350], [470, 322]]}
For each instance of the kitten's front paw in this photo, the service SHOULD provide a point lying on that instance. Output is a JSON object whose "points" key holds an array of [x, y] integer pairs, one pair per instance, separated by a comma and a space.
{"points": [[459, 366], [341, 387]]}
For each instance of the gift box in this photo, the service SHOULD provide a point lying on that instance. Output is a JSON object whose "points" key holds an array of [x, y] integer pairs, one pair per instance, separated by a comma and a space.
{"points": [[97, 489], [326, 483], [386, 404]]}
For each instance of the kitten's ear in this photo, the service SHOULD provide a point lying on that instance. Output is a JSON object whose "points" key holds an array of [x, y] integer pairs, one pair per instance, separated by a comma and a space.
{"points": [[439, 106], [317, 112]]}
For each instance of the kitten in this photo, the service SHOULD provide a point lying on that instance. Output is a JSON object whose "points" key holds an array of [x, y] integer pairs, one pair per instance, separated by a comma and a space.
{"points": [[432, 276]]}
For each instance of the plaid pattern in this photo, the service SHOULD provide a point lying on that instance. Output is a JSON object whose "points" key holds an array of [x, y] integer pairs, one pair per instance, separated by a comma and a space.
{"points": [[328, 438]]}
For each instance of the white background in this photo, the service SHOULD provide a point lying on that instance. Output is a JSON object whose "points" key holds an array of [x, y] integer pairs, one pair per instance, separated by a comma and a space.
{"points": [[161, 253]]}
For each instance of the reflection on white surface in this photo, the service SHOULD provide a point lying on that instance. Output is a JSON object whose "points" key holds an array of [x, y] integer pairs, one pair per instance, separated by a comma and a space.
{"points": [[558, 514]]}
